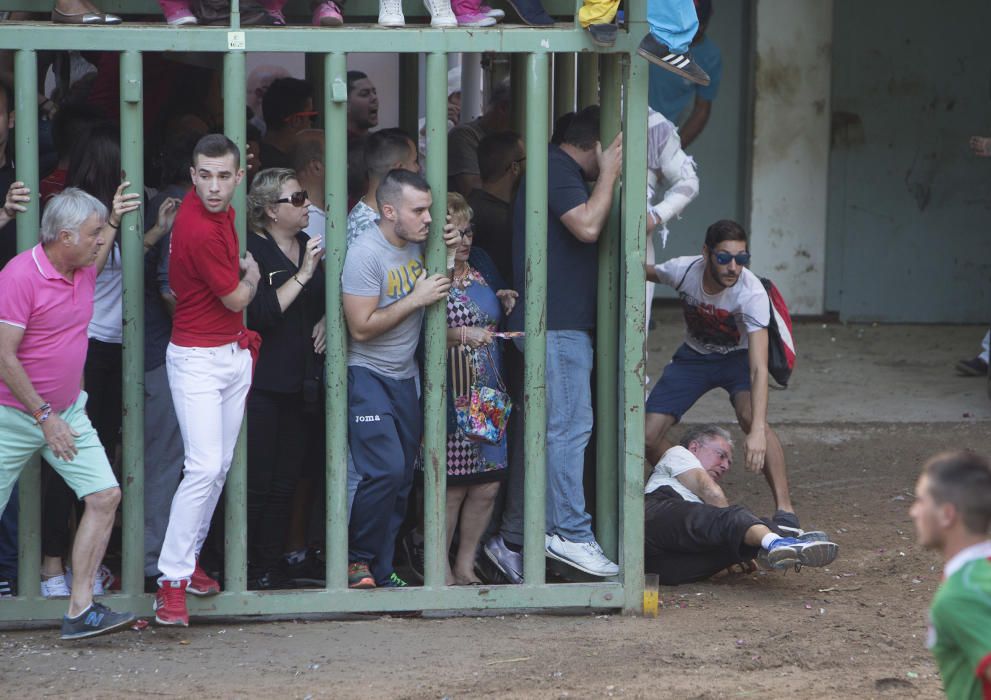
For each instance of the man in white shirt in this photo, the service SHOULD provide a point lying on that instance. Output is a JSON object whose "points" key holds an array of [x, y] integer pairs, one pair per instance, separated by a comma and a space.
{"points": [[726, 315], [692, 532]]}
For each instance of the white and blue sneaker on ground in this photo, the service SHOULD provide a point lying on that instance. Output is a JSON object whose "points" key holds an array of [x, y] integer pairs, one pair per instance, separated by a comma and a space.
{"points": [[806, 550]]}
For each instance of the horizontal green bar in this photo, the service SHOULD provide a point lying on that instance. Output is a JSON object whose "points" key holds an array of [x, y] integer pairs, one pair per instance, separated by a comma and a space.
{"points": [[294, 9], [352, 38], [300, 602]]}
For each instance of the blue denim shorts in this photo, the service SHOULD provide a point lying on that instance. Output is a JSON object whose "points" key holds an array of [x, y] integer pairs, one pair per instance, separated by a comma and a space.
{"points": [[691, 374]]}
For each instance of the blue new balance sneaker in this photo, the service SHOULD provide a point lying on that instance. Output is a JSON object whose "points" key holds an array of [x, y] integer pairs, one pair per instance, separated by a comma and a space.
{"points": [[95, 620]]}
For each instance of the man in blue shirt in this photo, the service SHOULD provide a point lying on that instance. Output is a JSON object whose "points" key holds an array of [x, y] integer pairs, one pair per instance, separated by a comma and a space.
{"points": [[673, 95], [575, 221]]}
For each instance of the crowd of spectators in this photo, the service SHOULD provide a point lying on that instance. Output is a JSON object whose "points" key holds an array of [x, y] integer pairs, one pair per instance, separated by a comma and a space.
{"points": [[201, 358]]}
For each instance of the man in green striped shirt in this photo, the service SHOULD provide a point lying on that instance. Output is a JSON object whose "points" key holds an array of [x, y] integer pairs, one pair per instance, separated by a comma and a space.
{"points": [[952, 514]]}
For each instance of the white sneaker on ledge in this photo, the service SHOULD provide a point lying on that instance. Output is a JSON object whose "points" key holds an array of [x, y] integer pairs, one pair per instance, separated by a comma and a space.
{"points": [[441, 14], [55, 587], [584, 556], [391, 13]]}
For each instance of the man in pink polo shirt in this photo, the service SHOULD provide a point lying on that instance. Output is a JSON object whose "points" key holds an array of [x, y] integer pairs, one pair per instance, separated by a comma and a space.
{"points": [[208, 363], [46, 302]]}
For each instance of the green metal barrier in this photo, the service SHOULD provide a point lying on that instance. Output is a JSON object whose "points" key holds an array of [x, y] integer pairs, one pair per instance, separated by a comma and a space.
{"points": [[619, 341]]}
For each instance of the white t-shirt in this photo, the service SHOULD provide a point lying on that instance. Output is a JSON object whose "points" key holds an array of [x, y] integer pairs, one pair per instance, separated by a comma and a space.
{"points": [[675, 461], [713, 322], [108, 310]]}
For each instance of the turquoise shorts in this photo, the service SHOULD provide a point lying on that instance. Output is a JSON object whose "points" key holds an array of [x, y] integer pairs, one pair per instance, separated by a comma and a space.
{"points": [[89, 472]]}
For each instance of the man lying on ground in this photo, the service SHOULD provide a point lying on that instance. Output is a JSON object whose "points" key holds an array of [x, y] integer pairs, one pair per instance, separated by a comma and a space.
{"points": [[691, 530]]}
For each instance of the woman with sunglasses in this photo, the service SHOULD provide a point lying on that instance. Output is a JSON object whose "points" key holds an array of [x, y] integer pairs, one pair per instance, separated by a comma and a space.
{"points": [[476, 306], [284, 401]]}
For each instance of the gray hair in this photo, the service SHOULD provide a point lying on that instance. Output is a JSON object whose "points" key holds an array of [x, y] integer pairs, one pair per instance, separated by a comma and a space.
{"points": [[702, 434], [265, 189], [67, 211]]}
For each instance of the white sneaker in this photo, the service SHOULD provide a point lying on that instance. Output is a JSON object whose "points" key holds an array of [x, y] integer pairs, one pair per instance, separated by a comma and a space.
{"points": [[584, 556], [103, 580], [55, 587], [391, 13], [441, 14]]}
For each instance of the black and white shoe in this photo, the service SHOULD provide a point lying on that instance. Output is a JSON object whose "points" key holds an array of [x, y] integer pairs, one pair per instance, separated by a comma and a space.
{"points": [[8, 587], [679, 63], [95, 620]]}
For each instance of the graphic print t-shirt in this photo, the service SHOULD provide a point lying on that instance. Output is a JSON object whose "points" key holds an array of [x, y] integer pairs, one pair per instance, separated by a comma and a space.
{"points": [[716, 323], [376, 268]]}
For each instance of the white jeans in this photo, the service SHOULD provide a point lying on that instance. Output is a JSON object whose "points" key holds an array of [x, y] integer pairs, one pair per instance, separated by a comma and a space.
{"points": [[209, 387]]}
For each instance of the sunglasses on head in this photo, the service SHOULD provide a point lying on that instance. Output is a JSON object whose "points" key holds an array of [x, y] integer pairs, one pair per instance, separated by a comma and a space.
{"points": [[297, 199], [723, 258]]}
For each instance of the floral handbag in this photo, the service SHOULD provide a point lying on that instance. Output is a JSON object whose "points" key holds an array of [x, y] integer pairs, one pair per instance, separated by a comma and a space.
{"points": [[483, 411]]}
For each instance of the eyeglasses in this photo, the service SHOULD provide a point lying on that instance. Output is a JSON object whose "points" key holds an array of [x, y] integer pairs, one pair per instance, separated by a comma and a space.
{"points": [[297, 199], [467, 231], [302, 115], [723, 258]]}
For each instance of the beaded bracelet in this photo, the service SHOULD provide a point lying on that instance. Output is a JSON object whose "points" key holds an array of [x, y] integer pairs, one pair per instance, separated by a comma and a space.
{"points": [[39, 414]]}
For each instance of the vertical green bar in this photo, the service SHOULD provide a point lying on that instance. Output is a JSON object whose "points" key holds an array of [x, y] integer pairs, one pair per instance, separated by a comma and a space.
{"points": [[132, 250], [434, 384], [535, 322], [632, 373], [409, 93], [588, 80], [235, 14], [235, 512], [517, 84], [607, 332], [26, 159], [336, 206], [564, 84]]}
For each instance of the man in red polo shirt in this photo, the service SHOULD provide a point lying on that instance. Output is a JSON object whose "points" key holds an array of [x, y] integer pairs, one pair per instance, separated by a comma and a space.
{"points": [[208, 364], [46, 302]]}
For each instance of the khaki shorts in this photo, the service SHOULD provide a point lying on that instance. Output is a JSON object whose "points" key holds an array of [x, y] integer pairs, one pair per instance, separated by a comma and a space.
{"points": [[89, 472]]}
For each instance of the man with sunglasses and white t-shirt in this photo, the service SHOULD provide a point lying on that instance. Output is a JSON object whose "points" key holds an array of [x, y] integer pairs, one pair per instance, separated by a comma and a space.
{"points": [[726, 315]]}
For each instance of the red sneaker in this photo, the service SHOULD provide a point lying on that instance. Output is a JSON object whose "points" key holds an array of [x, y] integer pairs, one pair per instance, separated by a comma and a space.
{"points": [[202, 585], [170, 604]]}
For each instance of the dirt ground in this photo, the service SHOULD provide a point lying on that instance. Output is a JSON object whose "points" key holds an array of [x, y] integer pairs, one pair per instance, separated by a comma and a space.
{"points": [[864, 411]]}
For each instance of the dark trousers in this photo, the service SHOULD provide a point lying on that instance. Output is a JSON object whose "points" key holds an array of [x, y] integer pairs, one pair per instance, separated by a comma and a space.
{"points": [[102, 374], [385, 424], [685, 541], [276, 446], [8, 537], [56, 512]]}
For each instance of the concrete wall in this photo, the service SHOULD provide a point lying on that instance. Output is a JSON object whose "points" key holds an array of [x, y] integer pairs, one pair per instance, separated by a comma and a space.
{"points": [[791, 148], [909, 206]]}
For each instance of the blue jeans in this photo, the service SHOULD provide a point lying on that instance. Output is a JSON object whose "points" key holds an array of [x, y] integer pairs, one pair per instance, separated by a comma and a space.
{"points": [[569, 427], [8, 537], [674, 23]]}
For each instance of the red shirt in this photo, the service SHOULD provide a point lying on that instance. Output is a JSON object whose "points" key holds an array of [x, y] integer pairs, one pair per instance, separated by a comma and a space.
{"points": [[52, 185], [203, 266]]}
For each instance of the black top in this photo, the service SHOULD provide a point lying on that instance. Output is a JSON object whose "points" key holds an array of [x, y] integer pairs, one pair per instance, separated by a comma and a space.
{"points": [[493, 230], [8, 234], [272, 157], [572, 266], [286, 355], [158, 322]]}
